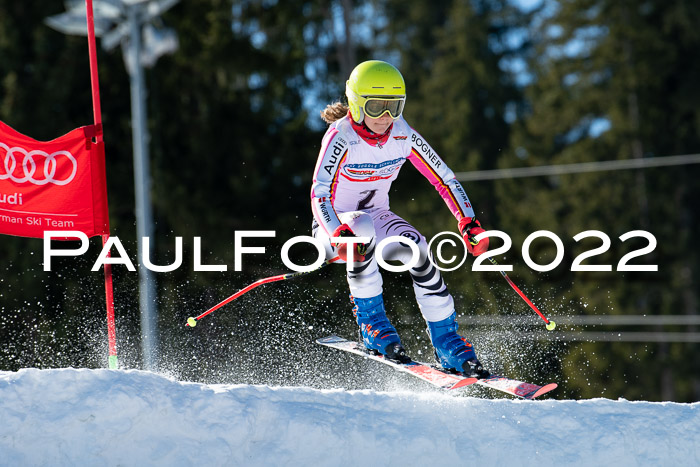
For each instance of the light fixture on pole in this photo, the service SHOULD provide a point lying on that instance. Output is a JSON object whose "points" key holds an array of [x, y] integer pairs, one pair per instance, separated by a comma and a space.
{"points": [[130, 23]]}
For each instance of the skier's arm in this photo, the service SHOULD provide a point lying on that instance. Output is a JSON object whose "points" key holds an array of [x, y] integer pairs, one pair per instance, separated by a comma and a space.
{"points": [[334, 148], [425, 159]]}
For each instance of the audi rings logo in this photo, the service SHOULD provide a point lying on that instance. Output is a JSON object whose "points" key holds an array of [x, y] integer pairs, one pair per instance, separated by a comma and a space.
{"points": [[27, 162]]}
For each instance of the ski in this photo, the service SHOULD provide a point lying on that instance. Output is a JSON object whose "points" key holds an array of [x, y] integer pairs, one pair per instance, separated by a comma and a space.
{"points": [[439, 377], [515, 387], [430, 374]]}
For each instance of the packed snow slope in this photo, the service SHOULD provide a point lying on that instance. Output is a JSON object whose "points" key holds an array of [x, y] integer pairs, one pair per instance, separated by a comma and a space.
{"points": [[114, 417]]}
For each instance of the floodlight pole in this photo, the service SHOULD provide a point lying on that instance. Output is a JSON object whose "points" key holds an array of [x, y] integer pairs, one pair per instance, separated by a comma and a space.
{"points": [[142, 185], [127, 18]]}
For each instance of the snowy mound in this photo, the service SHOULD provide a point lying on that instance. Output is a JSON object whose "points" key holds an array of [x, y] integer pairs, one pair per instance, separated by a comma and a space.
{"points": [[95, 417]]}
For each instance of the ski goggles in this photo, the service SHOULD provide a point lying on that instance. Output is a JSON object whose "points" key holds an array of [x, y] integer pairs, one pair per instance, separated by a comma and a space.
{"points": [[376, 106]]}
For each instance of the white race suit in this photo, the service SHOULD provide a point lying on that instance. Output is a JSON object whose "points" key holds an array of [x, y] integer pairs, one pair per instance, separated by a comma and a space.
{"points": [[351, 185]]}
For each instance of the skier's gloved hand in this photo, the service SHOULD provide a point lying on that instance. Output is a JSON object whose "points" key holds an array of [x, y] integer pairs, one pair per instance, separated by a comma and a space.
{"points": [[469, 228], [360, 249]]}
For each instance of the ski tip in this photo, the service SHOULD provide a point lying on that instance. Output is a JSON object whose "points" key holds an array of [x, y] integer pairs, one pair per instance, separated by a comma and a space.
{"points": [[463, 383], [544, 389], [330, 340]]}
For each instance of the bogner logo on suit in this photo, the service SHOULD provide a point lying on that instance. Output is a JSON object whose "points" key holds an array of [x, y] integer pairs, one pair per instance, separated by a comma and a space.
{"points": [[426, 150]]}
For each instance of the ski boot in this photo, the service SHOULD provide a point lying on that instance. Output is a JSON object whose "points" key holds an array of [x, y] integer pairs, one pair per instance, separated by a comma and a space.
{"points": [[452, 351], [377, 333]]}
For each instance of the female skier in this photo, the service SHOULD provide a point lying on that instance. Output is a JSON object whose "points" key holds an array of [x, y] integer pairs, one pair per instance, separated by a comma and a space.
{"points": [[366, 144]]}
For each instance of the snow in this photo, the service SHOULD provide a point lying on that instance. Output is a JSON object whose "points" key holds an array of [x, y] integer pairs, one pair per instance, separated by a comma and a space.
{"points": [[131, 417]]}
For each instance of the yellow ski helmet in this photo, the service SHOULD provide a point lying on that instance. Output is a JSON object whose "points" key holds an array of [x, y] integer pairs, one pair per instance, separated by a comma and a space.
{"points": [[375, 88]]}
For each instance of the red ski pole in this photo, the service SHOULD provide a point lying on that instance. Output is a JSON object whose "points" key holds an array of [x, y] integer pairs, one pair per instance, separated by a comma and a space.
{"points": [[192, 320], [550, 325]]}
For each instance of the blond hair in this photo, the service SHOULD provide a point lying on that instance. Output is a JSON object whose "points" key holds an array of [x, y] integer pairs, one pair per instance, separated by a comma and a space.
{"points": [[334, 112]]}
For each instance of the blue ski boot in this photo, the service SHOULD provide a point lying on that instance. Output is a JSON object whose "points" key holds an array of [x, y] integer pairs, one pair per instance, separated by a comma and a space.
{"points": [[376, 331], [453, 351]]}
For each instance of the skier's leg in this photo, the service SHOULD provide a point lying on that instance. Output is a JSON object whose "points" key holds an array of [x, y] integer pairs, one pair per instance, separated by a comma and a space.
{"points": [[434, 300], [364, 278], [365, 283]]}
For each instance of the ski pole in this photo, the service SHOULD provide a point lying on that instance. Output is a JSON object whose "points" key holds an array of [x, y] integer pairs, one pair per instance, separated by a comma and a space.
{"points": [[550, 325], [192, 320]]}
